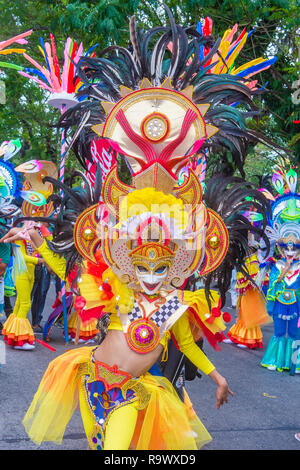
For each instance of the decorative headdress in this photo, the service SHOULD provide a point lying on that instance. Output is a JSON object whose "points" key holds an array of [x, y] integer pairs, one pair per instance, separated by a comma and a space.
{"points": [[10, 182], [155, 105], [10, 185], [284, 221], [39, 188]]}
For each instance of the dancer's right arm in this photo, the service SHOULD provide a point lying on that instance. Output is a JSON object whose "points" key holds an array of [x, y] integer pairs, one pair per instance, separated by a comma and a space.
{"points": [[56, 263], [53, 260]]}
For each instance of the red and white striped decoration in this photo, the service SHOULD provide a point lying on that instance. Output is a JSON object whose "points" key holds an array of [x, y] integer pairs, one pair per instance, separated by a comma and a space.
{"points": [[102, 152]]}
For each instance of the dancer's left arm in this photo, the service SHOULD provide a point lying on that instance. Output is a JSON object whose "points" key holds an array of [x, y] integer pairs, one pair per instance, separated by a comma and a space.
{"points": [[184, 338]]}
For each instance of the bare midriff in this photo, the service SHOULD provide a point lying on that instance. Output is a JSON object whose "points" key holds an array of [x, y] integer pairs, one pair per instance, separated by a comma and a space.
{"points": [[114, 350]]}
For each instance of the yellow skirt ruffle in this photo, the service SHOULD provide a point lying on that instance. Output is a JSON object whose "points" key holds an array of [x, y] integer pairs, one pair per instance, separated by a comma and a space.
{"points": [[17, 331], [88, 330], [164, 423], [250, 337]]}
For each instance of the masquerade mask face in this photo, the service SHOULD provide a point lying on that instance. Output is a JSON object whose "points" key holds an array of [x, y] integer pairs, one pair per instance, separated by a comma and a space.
{"points": [[151, 263], [289, 247], [152, 276]]}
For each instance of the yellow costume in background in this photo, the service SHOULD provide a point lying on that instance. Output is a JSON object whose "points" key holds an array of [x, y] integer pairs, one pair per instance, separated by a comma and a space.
{"points": [[17, 329], [251, 308], [88, 329]]}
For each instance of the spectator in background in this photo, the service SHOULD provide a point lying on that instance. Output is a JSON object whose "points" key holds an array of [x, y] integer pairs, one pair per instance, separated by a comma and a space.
{"points": [[5, 252], [39, 294], [40, 288]]}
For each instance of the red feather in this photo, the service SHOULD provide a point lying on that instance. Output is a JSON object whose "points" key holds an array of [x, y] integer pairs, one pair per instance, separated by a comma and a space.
{"points": [[71, 70], [91, 314]]}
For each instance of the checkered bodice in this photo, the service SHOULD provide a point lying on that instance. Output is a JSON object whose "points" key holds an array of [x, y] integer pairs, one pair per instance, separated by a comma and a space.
{"points": [[162, 311], [161, 315]]}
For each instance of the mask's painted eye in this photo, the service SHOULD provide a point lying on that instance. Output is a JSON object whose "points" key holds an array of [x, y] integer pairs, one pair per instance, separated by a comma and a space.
{"points": [[160, 270], [282, 245], [142, 269]]}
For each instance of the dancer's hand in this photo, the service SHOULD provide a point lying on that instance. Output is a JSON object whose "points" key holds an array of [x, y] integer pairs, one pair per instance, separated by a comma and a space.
{"points": [[223, 390], [15, 234], [12, 235], [222, 394]]}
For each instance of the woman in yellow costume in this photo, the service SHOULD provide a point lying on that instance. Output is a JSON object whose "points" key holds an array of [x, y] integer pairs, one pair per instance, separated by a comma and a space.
{"points": [[152, 235], [251, 308], [17, 329]]}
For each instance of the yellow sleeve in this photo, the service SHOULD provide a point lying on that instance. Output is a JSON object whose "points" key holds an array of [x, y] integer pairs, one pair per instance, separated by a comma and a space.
{"points": [[27, 258], [183, 335], [57, 263]]}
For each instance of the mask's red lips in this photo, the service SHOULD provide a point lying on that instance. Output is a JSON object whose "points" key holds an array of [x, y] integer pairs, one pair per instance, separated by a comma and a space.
{"points": [[150, 286]]}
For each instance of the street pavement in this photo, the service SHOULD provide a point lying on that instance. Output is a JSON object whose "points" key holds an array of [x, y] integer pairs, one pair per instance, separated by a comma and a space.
{"points": [[264, 413]]}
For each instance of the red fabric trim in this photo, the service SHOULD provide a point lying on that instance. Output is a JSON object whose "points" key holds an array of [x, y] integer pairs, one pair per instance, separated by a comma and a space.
{"points": [[211, 338], [45, 345], [257, 344], [149, 164], [12, 342], [174, 340], [85, 337], [96, 312]]}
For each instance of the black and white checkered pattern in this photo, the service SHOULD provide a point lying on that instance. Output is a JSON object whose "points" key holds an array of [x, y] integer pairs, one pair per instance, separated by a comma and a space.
{"points": [[159, 317], [165, 311], [135, 312]]}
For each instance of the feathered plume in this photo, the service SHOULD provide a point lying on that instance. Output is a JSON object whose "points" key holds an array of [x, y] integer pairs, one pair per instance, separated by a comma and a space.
{"points": [[231, 197]]}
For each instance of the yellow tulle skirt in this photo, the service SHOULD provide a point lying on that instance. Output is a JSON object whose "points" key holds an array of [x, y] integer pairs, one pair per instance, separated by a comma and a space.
{"points": [[165, 422]]}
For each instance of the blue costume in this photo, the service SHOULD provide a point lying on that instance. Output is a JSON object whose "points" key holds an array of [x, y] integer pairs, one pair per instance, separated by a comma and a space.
{"points": [[283, 295], [283, 304]]}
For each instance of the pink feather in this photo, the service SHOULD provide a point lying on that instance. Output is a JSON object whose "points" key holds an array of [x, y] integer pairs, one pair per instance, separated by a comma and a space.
{"points": [[3, 44], [42, 84], [56, 85]]}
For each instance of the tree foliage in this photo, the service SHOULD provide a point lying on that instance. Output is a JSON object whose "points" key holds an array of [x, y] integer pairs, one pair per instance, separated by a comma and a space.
{"points": [[276, 32]]}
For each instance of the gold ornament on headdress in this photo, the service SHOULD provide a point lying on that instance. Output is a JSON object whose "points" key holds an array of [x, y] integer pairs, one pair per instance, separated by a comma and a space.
{"points": [[155, 127], [152, 252]]}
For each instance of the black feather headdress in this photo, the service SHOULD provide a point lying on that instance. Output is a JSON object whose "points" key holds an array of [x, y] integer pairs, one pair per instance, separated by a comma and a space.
{"points": [[232, 198]]}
